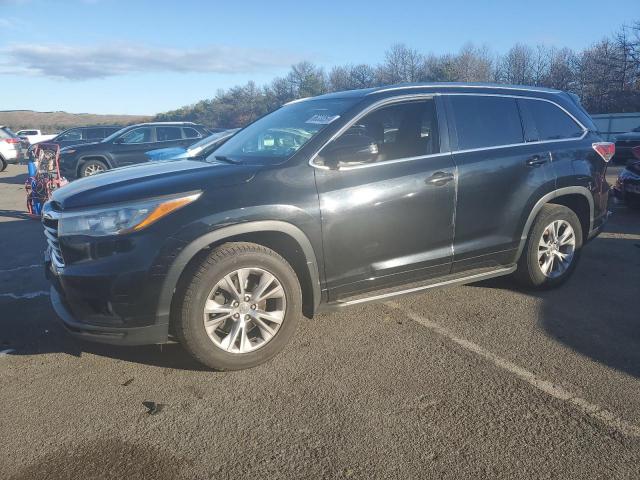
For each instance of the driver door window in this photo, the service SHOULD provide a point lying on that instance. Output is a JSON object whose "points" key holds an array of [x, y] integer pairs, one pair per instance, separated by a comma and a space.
{"points": [[403, 130], [137, 135]]}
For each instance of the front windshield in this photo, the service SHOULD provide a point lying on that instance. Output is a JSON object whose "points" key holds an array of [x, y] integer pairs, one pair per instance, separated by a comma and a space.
{"points": [[207, 141], [277, 136]]}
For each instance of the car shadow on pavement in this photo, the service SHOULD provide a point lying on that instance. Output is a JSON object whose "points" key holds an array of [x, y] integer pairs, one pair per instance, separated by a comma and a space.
{"points": [[597, 312], [29, 326], [15, 180]]}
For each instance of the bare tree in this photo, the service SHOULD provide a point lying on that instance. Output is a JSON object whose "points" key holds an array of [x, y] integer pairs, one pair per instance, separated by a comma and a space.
{"points": [[402, 64]]}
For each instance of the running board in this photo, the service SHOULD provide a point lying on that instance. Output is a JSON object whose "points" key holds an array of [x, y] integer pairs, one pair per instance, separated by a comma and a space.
{"points": [[454, 281]]}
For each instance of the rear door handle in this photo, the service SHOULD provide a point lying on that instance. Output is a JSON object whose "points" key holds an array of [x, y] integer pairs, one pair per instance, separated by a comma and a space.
{"points": [[439, 178], [537, 160]]}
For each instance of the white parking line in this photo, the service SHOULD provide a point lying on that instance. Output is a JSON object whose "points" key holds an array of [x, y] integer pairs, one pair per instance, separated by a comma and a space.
{"points": [[19, 296], [603, 415], [4, 353], [16, 269]]}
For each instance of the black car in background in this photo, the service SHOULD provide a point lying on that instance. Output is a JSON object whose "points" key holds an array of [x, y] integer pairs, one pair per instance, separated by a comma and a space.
{"points": [[127, 146], [627, 187], [79, 135], [327, 203], [625, 142]]}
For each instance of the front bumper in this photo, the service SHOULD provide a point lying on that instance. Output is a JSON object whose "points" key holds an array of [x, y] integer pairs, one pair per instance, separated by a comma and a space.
{"points": [[110, 335], [93, 308]]}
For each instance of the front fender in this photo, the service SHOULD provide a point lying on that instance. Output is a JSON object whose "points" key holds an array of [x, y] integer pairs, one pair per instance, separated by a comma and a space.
{"points": [[216, 236]]}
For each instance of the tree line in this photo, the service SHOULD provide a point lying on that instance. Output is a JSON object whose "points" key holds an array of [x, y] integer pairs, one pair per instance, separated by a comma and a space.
{"points": [[606, 77]]}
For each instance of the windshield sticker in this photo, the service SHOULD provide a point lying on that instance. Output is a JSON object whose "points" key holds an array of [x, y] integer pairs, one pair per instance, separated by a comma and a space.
{"points": [[320, 119]]}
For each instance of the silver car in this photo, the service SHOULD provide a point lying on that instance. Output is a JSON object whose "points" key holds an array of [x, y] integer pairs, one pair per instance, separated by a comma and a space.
{"points": [[11, 150]]}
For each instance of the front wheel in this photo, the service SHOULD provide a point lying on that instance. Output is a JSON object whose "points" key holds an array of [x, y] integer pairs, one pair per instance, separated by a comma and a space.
{"points": [[239, 308], [552, 249], [92, 167]]}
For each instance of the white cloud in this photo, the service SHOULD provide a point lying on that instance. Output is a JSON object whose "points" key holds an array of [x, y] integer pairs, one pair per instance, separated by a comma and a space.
{"points": [[80, 63]]}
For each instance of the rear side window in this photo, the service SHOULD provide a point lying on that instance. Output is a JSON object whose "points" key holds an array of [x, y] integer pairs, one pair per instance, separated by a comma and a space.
{"points": [[164, 134], [550, 122], [94, 133], [191, 133], [486, 121]]}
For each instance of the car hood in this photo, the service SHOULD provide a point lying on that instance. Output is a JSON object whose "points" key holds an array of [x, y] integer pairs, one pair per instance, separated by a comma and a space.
{"points": [[82, 146], [149, 180]]}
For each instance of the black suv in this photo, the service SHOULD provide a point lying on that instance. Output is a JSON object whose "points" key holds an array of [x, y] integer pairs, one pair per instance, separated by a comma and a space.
{"points": [[325, 203], [78, 135], [127, 146]]}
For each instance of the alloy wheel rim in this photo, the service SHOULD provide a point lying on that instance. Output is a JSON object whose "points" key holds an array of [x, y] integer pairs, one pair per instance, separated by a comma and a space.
{"points": [[93, 169], [244, 310], [556, 248]]}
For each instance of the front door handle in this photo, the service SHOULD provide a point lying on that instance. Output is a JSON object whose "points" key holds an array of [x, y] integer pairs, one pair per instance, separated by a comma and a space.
{"points": [[439, 178], [537, 160]]}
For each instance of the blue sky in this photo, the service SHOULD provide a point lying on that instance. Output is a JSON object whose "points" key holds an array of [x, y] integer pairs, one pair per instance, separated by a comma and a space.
{"points": [[148, 56]]}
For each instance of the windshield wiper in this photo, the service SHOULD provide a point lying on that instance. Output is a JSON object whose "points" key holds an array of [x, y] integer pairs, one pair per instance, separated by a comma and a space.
{"points": [[226, 159]]}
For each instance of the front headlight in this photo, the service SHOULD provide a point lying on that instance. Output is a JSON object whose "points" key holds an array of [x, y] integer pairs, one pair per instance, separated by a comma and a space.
{"points": [[120, 219]]}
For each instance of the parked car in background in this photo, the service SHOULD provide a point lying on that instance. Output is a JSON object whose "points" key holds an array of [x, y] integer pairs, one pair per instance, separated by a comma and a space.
{"points": [[127, 146], [79, 135], [197, 151], [327, 203], [34, 136], [11, 149], [627, 187], [625, 142]]}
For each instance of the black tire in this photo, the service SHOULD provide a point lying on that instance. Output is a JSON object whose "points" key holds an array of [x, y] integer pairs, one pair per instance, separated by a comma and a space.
{"points": [[188, 320], [529, 273], [88, 165], [3, 165]]}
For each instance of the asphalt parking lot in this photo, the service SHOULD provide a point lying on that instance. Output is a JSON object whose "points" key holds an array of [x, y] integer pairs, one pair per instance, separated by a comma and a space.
{"points": [[478, 381]]}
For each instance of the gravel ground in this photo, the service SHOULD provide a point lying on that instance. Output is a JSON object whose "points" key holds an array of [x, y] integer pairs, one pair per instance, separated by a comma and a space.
{"points": [[478, 381]]}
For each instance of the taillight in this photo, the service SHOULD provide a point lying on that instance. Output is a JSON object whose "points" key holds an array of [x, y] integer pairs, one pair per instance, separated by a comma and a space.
{"points": [[636, 152], [12, 140], [605, 149]]}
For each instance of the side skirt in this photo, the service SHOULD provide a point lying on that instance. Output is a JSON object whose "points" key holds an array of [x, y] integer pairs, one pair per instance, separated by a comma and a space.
{"points": [[419, 287]]}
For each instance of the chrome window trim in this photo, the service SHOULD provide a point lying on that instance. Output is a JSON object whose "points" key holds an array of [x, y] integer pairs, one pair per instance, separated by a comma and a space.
{"points": [[409, 97]]}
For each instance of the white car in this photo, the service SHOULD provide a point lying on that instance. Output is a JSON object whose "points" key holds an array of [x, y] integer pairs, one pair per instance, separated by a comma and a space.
{"points": [[34, 136], [10, 148]]}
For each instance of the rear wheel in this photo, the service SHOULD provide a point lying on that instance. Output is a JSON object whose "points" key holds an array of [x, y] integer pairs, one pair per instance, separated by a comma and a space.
{"points": [[239, 308], [552, 249], [3, 164], [92, 167]]}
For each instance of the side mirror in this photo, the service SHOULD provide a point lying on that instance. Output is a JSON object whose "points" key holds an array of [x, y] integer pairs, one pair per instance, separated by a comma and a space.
{"points": [[350, 149]]}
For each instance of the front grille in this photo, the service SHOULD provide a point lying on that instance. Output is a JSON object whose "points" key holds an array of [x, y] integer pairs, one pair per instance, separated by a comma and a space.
{"points": [[50, 225]]}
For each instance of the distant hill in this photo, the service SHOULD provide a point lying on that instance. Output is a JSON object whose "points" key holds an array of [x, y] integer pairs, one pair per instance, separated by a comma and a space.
{"points": [[53, 122]]}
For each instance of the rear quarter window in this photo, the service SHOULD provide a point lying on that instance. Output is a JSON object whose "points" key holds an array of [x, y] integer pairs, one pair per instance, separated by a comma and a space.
{"points": [[486, 121], [549, 121], [191, 132]]}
